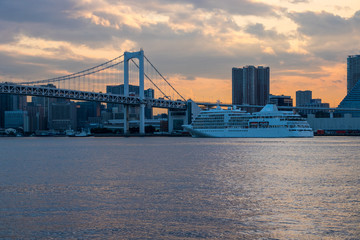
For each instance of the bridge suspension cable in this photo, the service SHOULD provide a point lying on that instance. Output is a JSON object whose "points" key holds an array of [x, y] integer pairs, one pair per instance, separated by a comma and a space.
{"points": [[107, 74], [79, 74], [164, 78], [150, 80]]}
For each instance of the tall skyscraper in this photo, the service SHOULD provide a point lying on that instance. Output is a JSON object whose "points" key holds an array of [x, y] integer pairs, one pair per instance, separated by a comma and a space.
{"points": [[250, 85], [353, 71], [237, 79], [352, 99], [303, 98]]}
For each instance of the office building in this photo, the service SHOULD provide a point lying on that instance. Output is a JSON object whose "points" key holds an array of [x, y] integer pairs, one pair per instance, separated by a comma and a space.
{"points": [[250, 85], [87, 113], [281, 100], [303, 98], [62, 116], [149, 93], [15, 119], [353, 71], [36, 117], [43, 105]]}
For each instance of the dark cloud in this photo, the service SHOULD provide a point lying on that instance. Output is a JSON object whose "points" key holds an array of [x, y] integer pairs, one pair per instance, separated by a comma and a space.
{"points": [[240, 7], [321, 24], [34, 11], [330, 37], [258, 30], [299, 1], [337, 82]]}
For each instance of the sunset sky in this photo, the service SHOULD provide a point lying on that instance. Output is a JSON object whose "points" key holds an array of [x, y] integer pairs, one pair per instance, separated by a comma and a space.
{"points": [[194, 43]]}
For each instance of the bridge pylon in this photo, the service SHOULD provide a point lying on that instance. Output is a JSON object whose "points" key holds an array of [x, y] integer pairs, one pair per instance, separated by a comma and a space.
{"points": [[128, 56]]}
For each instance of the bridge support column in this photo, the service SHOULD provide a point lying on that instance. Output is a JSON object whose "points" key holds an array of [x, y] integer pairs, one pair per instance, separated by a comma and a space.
{"points": [[142, 119], [139, 55], [126, 119]]}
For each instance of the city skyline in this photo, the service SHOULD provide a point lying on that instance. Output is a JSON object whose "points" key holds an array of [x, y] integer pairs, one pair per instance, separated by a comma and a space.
{"points": [[195, 44]]}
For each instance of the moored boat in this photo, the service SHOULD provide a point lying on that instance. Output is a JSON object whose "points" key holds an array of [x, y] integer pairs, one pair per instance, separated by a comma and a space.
{"points": [[235, 123]]}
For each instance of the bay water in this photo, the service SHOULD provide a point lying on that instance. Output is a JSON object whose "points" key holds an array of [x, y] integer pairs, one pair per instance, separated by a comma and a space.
{"points": [[179, 188]]}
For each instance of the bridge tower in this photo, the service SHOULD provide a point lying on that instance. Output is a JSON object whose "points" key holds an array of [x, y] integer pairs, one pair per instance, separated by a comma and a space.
{"points": [[127, 56]]}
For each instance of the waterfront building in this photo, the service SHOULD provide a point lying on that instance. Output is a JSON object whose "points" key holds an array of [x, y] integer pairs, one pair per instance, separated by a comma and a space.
{"points": [[352, 99], [335, 124], [281, 100], [353, 71], [9, 102], [86, 112], [62, 116], [15, 119], [315, 103], [250, 85], [304, 99], [43, 105], [36, 117]]}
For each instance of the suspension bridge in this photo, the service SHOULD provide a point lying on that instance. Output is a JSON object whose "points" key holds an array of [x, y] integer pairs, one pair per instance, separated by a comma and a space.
{"points": [[131, 68]]}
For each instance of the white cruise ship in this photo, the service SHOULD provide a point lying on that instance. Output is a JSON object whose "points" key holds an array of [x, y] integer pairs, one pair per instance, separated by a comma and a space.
{"points": [[235, 123]]}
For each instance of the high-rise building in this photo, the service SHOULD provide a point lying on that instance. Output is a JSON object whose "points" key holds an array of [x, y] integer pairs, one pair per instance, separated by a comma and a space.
{"points": [[303, 98], [353, 71], [250, 85], [43, 104], [36, 117], [149, 93]]}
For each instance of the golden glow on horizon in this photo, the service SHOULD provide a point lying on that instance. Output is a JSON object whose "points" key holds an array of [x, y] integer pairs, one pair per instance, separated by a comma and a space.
{"points": [[330, 86], [203, 89]]}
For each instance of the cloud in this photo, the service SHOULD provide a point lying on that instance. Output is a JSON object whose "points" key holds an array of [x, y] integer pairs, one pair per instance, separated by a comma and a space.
{"points": [[237, 7], [329, 36], [321, 24], [190, 40], [299, 1], [241, 7], [40, 11], [259, 31]]}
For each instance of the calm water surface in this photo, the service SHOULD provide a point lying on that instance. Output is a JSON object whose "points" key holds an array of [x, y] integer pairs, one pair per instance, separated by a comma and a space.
{"points": [[179, 188]]}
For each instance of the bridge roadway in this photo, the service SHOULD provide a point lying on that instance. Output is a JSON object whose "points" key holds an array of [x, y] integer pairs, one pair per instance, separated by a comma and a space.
{"points": [[44, 91]]}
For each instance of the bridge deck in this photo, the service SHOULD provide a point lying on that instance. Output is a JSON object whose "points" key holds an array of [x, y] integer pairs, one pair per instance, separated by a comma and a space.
{"points": [[41, 91]]}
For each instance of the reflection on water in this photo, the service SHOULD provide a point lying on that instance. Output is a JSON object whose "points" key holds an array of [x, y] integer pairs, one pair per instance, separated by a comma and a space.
{"points": [[176, 188]]}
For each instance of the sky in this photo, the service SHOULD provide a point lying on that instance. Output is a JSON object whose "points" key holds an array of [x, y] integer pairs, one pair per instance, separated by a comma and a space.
{"points": [[194, 43]]}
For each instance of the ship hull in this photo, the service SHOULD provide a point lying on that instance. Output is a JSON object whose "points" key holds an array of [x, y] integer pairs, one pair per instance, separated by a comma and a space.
{"points": [[248, 133]]}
